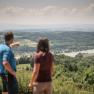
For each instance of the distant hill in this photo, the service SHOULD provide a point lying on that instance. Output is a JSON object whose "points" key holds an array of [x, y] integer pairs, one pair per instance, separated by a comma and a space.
{"points": [[52, 27], [60, 40]]}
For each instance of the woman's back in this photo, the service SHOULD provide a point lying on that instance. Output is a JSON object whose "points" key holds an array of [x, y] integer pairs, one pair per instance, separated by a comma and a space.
{"points": [[45, 60]]}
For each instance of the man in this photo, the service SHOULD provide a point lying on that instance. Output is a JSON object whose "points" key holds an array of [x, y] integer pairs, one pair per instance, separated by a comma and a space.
{"points": [[8, 65]]}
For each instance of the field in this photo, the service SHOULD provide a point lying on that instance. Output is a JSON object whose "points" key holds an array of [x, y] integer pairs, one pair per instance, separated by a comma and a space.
{"points": [[61, 84], [72, 75]]}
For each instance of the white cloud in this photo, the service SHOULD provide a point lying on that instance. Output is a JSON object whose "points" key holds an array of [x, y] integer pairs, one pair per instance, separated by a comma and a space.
{"points": [[47, 14], [91, 7], [88, 10], [45, 11]]}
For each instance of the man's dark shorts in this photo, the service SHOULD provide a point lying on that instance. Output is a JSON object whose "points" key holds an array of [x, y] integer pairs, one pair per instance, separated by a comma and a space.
{"points": [[9, 83], [4, 79], [12, 84]]}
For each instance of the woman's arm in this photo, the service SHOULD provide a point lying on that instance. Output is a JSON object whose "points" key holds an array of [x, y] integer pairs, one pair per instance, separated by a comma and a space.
{"points": [[34, 74], [52, 69]]}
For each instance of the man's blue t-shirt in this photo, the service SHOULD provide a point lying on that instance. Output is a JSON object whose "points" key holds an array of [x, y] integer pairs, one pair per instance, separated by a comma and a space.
{"points": [[6, 54]]}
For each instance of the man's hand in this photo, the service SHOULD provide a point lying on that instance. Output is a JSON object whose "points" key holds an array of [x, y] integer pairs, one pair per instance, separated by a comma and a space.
{"points": [[14, 44]]}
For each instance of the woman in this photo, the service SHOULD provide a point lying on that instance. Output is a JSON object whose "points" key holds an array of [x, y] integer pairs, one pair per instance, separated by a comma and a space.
{"points": [[43, 67]]}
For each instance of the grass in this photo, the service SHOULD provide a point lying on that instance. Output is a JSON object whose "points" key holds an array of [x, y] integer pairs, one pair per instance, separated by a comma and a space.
{"points": [[60, 86]]}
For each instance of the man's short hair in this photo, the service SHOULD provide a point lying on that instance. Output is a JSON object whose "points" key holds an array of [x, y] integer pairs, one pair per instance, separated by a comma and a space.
{"points": [[8, 36]]}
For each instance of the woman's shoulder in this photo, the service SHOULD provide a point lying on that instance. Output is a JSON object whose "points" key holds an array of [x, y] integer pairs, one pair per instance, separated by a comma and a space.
{"points": [[50, 53], [37, 54]]}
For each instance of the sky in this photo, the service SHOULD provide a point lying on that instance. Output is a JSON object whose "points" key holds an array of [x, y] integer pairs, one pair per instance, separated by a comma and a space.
{"points": [[46, 12]]}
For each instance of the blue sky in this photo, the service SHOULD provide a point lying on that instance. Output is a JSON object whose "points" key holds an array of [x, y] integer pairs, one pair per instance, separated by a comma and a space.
{"points": [[40, 12]]}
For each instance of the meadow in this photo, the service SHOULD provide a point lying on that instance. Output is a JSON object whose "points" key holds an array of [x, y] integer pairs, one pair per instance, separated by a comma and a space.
{"points": [[72, 75]]}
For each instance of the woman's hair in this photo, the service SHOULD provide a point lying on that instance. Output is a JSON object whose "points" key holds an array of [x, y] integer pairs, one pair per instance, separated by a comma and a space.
{"points": [[43, 45], [8, 36]]}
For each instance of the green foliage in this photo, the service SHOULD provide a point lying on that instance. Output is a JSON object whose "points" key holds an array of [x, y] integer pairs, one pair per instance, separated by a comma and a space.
{"points": [[71, 75]]}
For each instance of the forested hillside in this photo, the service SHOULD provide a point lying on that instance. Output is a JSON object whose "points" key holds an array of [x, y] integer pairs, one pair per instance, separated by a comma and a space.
{"points": [[60, 40]]}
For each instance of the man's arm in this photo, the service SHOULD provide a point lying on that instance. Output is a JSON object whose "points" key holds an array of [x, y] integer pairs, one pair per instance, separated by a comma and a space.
{"points": [[14, 44], [6, 63], [8, 68]]}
